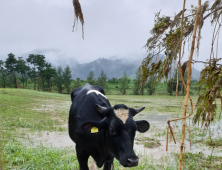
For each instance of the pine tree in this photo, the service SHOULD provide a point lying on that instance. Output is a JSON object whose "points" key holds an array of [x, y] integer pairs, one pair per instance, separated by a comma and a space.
{"points": [[138, 85], [48, 73], [102, 80], [124, 84], [67, 78], [32, 73], [150, 86], [58, 80], [3, 73], [10, 64], [77, 83], [40, 62], [90, 78], [22, 68]]}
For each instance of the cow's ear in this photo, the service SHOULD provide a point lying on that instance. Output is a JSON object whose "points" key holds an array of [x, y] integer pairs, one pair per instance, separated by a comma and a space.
{"points": [[137, 110], [142, 126], [94, 127], [101, 109]]}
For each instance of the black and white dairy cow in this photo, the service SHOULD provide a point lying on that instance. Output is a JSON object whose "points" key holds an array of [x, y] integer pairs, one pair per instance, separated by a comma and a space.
{"points": [[102, 131]]}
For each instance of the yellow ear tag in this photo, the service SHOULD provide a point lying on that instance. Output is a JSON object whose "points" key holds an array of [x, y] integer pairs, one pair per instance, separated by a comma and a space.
{"points": [[94, 130]]}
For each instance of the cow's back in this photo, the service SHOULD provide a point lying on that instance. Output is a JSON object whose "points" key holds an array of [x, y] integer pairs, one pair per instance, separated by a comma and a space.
{"points": [[87, 86], [83, 109]]}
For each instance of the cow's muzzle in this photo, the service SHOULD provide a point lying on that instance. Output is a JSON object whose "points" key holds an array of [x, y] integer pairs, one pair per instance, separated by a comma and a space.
{"points": [[132, 161]]}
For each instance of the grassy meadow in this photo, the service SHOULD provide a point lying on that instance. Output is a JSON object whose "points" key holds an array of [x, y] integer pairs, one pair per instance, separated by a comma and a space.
{"points": [[26, 115]]}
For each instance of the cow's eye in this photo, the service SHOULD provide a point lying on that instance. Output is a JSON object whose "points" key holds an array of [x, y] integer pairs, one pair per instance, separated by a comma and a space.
{"points": [[112, 131]]}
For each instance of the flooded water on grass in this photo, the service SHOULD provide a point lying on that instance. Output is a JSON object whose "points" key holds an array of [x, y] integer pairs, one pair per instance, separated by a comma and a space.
{"points": [[157, 132], [157, 117]]}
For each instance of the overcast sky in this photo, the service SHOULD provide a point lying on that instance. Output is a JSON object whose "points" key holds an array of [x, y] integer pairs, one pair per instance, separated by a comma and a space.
{"points": [[113, 29]]}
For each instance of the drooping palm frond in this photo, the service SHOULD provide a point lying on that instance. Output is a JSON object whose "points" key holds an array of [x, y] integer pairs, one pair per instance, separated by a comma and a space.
{"points": [[165, 38], [78, 15]]}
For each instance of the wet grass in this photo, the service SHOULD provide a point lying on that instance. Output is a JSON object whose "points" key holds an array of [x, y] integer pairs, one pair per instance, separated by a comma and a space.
{"points": [[23, 112], [148, 162], [147, 142], [154, 104], [193, 161], [23, 109], [17, 156], [27, 111], [152, 144], [214, 142]]}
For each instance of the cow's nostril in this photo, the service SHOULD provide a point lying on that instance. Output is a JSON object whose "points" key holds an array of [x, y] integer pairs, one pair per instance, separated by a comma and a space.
{"points": [[132, 162]]}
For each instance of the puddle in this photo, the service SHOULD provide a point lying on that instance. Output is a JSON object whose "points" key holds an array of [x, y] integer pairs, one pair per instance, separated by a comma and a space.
{"points": [[50, 105], [159, 123], [55, 139], [156, 117], [157, 131], [51, 139]]}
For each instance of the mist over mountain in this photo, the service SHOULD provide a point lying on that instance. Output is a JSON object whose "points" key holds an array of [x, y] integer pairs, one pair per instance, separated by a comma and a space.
{"points": [[114, 68], [54, 56]]}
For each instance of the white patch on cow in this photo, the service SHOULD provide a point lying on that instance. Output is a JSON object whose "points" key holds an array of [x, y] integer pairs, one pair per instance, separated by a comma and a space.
{"points": [[92, 164], [122, 114], [97, 92]]}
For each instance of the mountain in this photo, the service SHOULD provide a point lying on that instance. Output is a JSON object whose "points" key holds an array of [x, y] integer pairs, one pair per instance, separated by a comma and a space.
{"points": [[112, 68]]}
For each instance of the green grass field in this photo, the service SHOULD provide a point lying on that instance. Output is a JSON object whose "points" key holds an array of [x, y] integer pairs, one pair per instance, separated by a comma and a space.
{"points": [[24, 113]]}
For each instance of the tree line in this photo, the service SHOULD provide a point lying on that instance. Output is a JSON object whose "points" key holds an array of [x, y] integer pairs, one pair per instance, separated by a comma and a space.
{"points": [[123, 83], [16, 72]]}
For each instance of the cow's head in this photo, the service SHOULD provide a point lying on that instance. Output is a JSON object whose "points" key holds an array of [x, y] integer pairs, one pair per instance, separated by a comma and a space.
{"points": [[120, 131]]}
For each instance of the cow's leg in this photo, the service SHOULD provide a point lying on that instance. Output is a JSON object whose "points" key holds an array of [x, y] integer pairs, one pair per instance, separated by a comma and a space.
{"points": [[82, 157], [109, 163]]}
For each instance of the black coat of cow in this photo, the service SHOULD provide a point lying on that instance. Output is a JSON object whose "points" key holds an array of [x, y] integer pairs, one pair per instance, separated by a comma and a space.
{"points": [[102, 131]]}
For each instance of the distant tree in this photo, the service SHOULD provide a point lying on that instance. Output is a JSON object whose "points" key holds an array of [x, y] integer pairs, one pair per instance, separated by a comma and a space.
{"points": [[113, 80], [90, 78], [58, 80], [67, 78], [124, 83], [32, 59], [22, 68], [170, 85], [150, 85], [10, 64], [32, 76], [48, 73], [138, 86], [3, 73], [102, 80], [77, 83], [40, 63]]}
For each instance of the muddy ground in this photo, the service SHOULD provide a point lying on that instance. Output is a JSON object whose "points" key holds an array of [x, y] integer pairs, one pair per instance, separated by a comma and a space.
{"points": [[151, 143]]}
